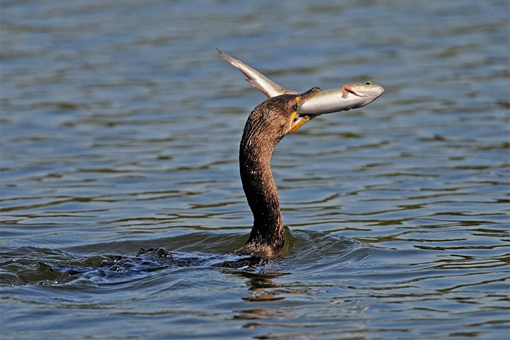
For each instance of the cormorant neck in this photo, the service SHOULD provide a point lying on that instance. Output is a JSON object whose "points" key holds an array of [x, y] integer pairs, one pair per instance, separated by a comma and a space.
{"points": [[267, 235]]}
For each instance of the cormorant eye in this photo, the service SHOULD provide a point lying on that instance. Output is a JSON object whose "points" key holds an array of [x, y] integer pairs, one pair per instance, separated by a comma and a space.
{"points": [[296, 107], [368, 83]]}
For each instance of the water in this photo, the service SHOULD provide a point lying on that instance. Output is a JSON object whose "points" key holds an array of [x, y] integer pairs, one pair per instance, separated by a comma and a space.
{"points": [[120, 126]]}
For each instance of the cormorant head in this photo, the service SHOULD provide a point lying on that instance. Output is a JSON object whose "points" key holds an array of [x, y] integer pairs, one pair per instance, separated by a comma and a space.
{"points": [[277, 116]]}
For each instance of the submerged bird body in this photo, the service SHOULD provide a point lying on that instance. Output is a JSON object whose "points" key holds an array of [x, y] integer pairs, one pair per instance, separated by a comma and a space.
{"points": [[267, 124]]}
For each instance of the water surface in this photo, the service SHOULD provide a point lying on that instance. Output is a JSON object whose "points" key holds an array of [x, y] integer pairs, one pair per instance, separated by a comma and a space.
{"points": [[120, 128]]}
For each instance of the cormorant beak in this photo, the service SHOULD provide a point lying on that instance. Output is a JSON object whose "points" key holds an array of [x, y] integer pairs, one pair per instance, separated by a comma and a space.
{"points": [[308, 94], [298, 121]]}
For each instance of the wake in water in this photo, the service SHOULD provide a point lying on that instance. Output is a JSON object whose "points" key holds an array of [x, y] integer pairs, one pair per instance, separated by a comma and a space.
{"points": [[152, 259], [304, 249]]}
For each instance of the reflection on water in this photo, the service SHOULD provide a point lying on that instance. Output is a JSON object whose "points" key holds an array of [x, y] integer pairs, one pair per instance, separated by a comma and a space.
{"points": [[119, 129]]}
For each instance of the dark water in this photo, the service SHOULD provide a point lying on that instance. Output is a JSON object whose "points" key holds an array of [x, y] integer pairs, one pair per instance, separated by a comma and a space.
{"points": [[120, 127]]}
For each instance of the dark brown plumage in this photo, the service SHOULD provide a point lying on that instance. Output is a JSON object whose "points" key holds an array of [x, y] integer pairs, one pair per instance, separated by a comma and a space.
{"points": [[267, 124]]}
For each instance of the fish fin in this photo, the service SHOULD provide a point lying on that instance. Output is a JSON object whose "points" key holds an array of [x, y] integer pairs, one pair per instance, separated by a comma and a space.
{"points": [[254, 77]]}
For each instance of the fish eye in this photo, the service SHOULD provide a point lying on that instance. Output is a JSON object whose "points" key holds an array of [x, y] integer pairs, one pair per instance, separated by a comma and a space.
{"points": [[368, 83], [296, 107]]}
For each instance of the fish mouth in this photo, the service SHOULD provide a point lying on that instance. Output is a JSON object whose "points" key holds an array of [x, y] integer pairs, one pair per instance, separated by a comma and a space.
{"points": [[348, 88]]}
